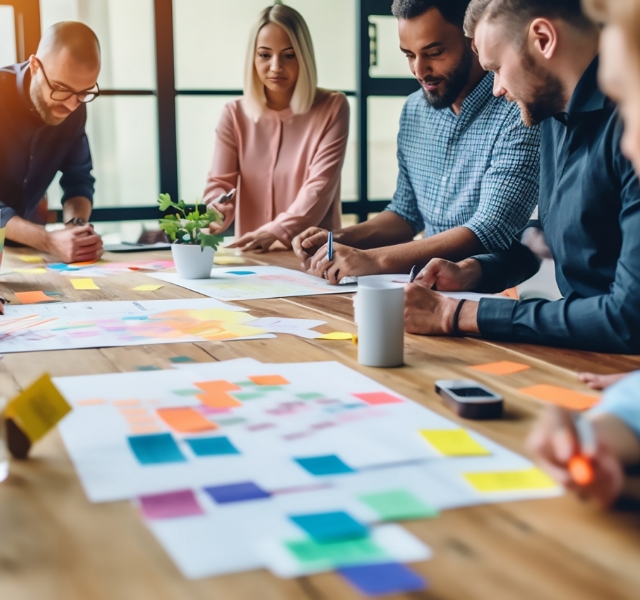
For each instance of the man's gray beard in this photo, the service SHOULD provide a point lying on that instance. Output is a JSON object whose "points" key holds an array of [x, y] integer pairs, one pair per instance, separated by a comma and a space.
{"points": [[41, 106]]}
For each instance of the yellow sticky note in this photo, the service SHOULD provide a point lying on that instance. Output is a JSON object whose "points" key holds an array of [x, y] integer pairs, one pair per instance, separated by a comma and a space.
{"points": [[84, 284], [454, 442], [31, 259], [36, 271], [147, 288], [38, 408], [510, 481], [337, 335], [228, 260]]}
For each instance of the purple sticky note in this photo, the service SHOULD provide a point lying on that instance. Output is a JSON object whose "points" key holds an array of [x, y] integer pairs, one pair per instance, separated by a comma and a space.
{"points": [[170, 506], [383, 579], [236, 492]]}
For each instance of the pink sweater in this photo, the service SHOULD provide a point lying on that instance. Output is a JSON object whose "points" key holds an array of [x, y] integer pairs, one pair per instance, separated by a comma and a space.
{"points": [[286, 167]]}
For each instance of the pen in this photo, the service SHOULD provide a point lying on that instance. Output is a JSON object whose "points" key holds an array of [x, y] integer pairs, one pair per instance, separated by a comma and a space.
{"points": [[225, 197], [330, 246], [412, 275], [580, 465]]}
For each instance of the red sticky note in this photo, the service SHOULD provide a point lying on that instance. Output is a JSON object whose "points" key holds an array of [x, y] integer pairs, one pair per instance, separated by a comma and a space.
{"points": [[504, 367], [170, 506], [561, 396], [185, 420], [269, 380], [378, 398], [34, 297]]}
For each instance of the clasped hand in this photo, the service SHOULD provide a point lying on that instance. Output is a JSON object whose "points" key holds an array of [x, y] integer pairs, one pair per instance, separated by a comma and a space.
{"points": [[75, 244]]}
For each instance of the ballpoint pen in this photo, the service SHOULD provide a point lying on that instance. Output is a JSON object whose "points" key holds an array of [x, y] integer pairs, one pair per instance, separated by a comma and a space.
{"points": [[224, 198], [413, 274], [330, 246]]}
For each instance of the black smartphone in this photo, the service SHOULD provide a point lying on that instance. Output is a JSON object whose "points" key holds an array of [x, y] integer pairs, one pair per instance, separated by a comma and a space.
{"points": [[470, 399]]}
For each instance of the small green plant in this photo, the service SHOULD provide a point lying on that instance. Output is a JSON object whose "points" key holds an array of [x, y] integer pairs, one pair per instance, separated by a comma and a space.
{"points": [[189, 226]]}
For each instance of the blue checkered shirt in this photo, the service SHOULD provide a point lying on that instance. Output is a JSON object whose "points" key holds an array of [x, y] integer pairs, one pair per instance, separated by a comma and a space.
{"points": [[479, 169]]}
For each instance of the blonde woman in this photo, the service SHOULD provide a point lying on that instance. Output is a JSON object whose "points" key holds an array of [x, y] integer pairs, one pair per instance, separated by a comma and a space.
{"points": [[283, 144]]}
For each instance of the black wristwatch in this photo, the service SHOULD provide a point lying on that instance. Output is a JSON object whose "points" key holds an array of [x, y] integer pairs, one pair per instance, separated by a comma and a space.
{"points": [[76, 221]]}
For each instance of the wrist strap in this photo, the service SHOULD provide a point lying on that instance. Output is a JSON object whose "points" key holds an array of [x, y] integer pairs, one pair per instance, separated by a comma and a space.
{"points": [[455, 329]]}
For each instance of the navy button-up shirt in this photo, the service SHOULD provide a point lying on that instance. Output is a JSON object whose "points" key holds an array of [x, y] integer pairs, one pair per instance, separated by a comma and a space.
{"points": [[589, 210], [32, 153]]}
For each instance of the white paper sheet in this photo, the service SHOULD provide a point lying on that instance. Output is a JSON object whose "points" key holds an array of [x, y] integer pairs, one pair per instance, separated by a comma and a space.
{"points": [[258, 283]]}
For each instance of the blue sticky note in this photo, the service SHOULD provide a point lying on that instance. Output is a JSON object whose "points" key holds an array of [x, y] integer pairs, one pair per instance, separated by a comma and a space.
{"points": [[324, 465], [236, 492], [331, 526], [212, 446], [383, 579], [241, 272], [155, 449]]}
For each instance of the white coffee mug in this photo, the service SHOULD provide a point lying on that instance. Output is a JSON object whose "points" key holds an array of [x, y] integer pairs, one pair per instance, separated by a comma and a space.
{"points": [[379, 315]]}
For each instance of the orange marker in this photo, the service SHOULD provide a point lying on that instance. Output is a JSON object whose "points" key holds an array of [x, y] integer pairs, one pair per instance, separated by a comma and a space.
{"points": [[581, 466]]}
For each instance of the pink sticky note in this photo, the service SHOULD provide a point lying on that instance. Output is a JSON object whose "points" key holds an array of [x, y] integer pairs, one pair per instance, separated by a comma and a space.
{"points": [[378, 398], [171, 505]]}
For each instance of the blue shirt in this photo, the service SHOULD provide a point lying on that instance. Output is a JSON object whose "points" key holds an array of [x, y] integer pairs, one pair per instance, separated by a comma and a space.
{"points": [[623, 401], [32, 153], [478, 169], [589, 211]]}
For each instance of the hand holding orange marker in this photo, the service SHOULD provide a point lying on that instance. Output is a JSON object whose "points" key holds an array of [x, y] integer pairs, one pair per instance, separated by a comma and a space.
{"points": [[581, 466]]}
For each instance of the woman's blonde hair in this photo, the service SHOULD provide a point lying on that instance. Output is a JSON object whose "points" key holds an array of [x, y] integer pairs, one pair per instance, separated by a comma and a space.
{"points": [[623, 13], [254, 99]]}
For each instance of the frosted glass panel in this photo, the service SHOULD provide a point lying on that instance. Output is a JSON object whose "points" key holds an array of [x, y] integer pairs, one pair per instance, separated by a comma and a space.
{"points": [[390, 61], [211, 38], [122, 132], [384, 119], [349, 184], [7, 36], [126, 32]]}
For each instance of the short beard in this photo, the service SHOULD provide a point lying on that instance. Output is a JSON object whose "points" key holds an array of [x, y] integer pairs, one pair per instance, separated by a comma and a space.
{"points": [[41, 106], [454, 83], [546, 99]]}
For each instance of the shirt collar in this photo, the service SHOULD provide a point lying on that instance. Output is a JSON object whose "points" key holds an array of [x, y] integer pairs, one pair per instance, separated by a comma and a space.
{"points": [[587, 96], [479, 95]]}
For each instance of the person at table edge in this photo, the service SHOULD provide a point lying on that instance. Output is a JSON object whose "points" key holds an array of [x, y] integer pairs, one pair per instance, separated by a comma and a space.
{"points": [[42, 132], [468, 167], [589, 206]]}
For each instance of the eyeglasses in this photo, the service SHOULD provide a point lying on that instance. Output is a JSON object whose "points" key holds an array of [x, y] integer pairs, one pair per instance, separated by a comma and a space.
{"points": [[61, 94]]}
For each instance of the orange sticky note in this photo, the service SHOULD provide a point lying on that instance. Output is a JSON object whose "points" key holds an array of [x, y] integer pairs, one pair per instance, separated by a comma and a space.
{"points": [[90, 402], [185, 420], [504, 367], [132, 411], [34, 297], [145, 429], [269, 380], [219, 400], [561, 396], [126, 402], [218, 386]]}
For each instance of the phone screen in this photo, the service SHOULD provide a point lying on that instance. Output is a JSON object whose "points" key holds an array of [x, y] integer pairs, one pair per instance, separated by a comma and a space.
{"points": [[471, 392]]}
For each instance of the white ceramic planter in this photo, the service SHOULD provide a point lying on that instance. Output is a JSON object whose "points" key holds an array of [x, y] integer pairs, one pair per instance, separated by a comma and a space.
{"points": [[192, 262]]}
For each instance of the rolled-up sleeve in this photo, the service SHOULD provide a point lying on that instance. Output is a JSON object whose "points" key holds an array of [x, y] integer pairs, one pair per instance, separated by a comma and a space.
{"points": [[76, 168], [509, 190]]}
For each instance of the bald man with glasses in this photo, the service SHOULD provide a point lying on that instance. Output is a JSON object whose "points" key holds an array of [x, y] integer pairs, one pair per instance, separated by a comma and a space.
{"points": [[42, 132]]}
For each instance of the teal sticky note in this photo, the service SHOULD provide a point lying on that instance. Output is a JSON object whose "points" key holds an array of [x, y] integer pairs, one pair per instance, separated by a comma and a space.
{"points": [[330, 526], [155, 449], [324, 465]]}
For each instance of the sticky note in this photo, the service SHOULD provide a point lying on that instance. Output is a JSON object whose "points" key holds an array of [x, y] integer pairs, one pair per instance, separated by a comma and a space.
{"points": [[185, 420], [310, 396], [374, 398], [236, 492], [504, 367], [245, 396], [155, 449], [212, 446], [181, 359], [330, 526], [336, 335], [454, 442], [33, 297], [95, 402], [561, 396], [230, 421], [147, 288], [510, 481], [216, 386], [131, 402], [186, 392], [86, 263], [219, 400], [241, 273], [170, 506], [36, 271], [228, 260], [383, 579], [332, 554], [269, 380], [398, 505], [148, 368], [84, 284], [324, 465], [38, 409], [31, 259]]}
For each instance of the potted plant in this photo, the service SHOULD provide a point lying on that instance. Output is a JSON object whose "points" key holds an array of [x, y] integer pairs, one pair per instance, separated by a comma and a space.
{"points": [[193, 247]]}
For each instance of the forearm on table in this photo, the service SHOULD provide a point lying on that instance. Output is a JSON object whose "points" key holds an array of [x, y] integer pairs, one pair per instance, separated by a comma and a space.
{"points": [[29, 234], [454, 245], [616, 434], [77, 207], [385, 229]]}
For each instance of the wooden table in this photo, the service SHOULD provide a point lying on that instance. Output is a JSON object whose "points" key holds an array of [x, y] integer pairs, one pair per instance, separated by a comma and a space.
{"points": [[54, 544]]}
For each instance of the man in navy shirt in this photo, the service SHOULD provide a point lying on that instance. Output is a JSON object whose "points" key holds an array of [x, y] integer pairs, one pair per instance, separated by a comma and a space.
{"points": [[42, 131], [544, 56]]}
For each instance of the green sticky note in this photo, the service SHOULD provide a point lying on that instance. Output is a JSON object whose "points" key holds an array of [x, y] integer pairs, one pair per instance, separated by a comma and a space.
{"points": [[310, 396], [181, 359], [271, 388], [247, 395], [148, 368], [334, 554], [245, 384], [398, 505], [193, 392]]}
